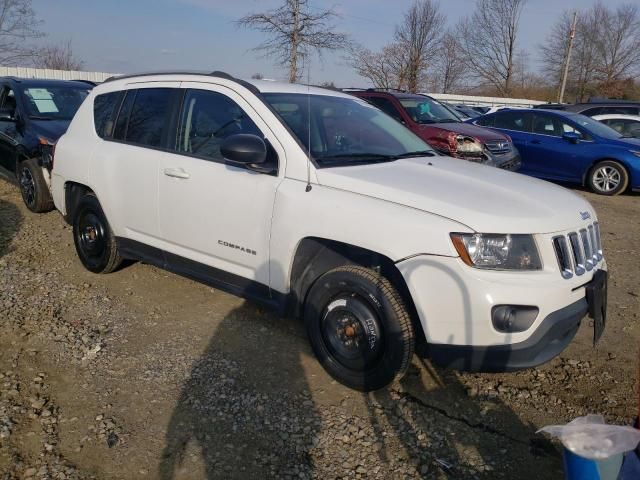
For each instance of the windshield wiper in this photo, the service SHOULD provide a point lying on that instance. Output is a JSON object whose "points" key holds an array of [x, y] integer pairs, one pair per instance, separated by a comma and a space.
{"points": [[418, 153], [358, 157], [39, 117]]}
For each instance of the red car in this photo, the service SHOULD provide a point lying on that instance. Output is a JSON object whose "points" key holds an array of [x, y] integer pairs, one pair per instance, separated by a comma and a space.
{"points": [[443, 130]]}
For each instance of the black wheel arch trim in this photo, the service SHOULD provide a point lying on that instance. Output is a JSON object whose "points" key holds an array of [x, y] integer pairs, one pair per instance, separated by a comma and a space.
{"points": [[314, 256]]}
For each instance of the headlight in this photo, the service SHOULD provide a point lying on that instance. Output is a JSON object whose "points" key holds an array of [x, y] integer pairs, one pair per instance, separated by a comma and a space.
{"points": [[467, 145], [497, 251]]}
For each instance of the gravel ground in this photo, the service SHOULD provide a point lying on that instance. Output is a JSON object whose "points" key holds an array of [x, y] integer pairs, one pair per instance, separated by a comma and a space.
{"points": [[143, 374]]}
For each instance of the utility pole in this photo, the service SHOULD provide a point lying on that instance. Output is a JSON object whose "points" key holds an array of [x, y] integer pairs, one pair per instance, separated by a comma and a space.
{"points": [[567, 60]]}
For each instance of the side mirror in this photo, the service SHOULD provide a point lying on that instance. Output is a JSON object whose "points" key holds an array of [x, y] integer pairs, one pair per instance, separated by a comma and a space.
{"points": [[572, 137], [244, 149], [7, 115]]}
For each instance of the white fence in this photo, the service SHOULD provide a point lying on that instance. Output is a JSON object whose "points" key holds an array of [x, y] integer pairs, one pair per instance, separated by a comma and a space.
{"points": [[485, 101], [45, 73]]}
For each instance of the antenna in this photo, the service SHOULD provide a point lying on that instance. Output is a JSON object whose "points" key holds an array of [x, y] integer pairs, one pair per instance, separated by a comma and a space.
{"points": [[308, 65]]}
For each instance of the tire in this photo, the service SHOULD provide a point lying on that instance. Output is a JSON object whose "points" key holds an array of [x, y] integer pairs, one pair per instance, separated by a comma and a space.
{"points": [[96, 245], [608, 178], [34, 189], [359, 328]]}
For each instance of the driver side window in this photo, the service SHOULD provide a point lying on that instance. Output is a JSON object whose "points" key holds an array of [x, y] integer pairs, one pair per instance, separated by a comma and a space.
{"points": [[207, 118], [8, 100]]}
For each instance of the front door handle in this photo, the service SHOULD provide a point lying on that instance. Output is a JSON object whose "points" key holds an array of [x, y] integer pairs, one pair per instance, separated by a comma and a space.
{"points": [[536, 142], [176, 173]]}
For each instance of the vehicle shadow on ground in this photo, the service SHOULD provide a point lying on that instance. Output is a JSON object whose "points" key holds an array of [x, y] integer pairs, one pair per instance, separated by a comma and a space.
{"points": [[431, 409], [447, 433], [246, 412], [10, 221], [246, 409]]}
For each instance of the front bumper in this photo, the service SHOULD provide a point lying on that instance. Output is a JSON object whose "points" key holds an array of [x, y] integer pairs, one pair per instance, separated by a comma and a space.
{"points": [[507, 161], [454, 304], [551, 337]]}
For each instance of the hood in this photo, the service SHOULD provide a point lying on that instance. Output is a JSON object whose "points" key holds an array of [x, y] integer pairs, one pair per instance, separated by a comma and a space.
{"points": [[630, 143], [481, 133], [51, 129], [485, 199]]}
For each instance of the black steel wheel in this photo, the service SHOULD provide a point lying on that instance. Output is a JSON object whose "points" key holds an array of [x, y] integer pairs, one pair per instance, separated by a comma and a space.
{"points": [[359, 327], [95, 243], [34, 189]]}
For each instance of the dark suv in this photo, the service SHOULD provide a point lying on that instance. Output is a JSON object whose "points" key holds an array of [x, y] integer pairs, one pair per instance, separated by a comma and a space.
{"points": [[599, 107], [33, 115], [443, 130]]}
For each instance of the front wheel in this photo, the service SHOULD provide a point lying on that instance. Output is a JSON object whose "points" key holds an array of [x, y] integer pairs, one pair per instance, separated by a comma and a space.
{"points": [[608, 178], [359, 328], [33, 187], [95, 243]]}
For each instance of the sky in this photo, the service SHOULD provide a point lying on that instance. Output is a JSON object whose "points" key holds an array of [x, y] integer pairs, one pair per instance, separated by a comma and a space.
{"points": [[126, 36]]}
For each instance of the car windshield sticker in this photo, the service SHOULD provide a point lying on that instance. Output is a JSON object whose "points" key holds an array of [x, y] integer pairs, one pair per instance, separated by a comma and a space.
{"points": [[43, 100]]}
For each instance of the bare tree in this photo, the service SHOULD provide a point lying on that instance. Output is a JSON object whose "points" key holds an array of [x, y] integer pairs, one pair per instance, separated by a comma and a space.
{"points": [[384, 69], [489, 40], [294, 32], [58, 57], [419, 35], [617, 44], [449, 65], [606, 51], [18, 24]]}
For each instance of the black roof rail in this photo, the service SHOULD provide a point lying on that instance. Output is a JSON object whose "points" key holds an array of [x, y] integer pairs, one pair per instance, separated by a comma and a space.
{"points": [[607, 100], [372, 89], [217, 73], [90, 82]]}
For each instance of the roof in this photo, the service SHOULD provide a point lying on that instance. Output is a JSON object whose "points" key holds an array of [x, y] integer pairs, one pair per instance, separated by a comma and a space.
{"points": [[386, 91], [258, 86], [618, 116], [38, 82]]}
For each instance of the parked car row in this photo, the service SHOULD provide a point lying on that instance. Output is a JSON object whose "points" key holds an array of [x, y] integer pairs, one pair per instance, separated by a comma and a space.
{"points": [[566, 146], [444, 130], [33, 115], [318, 204]]}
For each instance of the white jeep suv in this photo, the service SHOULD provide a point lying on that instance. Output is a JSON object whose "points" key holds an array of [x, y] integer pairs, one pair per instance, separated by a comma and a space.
{"points": [[321, 206]]}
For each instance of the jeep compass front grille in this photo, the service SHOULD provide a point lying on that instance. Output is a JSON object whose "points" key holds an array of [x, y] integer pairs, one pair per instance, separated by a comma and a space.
{"points": [[498, 147], [578, 252]]}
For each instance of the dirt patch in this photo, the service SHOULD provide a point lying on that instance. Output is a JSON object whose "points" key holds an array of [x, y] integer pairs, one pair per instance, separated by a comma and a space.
{"points": [[143, 374]]}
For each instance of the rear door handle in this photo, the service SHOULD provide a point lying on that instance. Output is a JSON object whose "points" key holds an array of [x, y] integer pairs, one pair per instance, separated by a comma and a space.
{"points": [[176, 173], [536, 142]]}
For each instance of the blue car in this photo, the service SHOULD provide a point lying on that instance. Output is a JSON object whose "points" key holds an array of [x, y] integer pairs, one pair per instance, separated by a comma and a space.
{"points": [[569, 147]]}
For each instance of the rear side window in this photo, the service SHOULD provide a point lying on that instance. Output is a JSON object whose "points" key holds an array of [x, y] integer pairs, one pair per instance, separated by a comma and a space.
{"points": [[149, 117], [486, 121], [520, 121], [120, 129], [105, 107], [386, 106]]}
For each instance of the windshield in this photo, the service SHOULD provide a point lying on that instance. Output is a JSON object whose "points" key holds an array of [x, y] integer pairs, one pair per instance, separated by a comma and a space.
{"points": [[595, 127], [424, 110], [53, 103], [345, 131]]}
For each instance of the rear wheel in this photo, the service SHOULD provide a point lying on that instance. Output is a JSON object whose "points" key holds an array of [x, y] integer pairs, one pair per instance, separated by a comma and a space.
{"points": [[34, 189], [359, 327], [95, 243], [608, 178]]}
